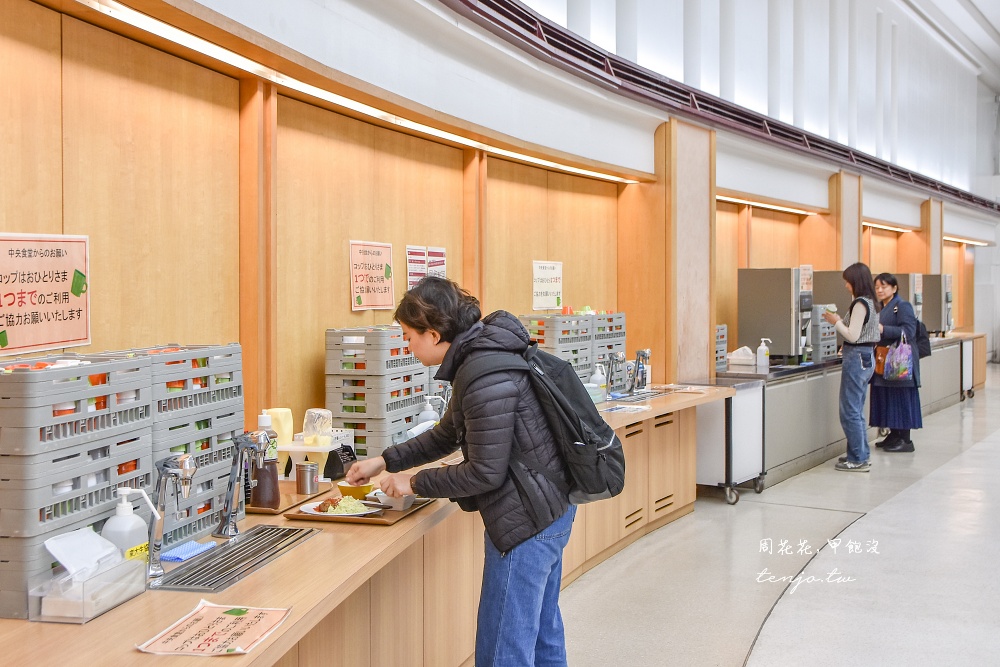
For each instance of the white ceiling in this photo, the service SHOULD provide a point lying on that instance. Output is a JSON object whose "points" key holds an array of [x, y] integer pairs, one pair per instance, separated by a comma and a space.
{"points": [[972, 27]]}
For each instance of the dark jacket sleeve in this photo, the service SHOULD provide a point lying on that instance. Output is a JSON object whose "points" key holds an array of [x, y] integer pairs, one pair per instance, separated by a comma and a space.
{"points": [[490, 410], [905, 323]]}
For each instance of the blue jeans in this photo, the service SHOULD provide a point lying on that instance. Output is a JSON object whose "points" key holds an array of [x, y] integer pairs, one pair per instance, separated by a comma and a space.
{"points": [[519, 621], [858, 367]]}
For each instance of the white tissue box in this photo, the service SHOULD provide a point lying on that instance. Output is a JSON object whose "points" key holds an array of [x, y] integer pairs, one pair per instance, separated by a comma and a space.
{"points": [[65, 601]]}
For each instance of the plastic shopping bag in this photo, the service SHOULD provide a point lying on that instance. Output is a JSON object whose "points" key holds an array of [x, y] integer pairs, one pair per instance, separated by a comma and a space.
{"points": [[899, 361]]}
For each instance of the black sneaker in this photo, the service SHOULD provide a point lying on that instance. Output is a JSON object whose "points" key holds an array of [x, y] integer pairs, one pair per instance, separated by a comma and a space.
{"points": [[887, 440], [842, 459]]}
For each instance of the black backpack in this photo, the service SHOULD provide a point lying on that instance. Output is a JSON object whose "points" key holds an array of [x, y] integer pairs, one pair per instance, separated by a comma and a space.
{"points": [[589, 447], [922, 341]]}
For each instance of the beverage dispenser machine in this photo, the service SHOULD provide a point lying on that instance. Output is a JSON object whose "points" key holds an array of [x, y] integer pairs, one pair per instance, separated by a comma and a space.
{"points": [[775, 304], [937, 302], [911, 289]]}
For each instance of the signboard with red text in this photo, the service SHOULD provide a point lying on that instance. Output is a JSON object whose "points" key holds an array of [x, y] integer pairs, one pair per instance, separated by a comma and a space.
{"points": [[44, 292]]}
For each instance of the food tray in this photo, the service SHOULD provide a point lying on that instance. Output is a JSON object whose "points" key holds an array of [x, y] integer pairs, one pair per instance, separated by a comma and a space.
{"points": [[380, 518], [289, 498]]}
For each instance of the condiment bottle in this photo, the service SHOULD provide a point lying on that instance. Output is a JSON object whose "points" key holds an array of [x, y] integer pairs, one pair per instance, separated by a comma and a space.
{"points": [[266, 492]]}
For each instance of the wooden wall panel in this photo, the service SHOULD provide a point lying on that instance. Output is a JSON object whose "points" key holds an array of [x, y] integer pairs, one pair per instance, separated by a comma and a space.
{"points": [[340, 179], [817, 235], [516, 212], [343, 637], [30, 130], [151, 147], [695, 209], [884, 250], [583, 235], [727, 218], [773, 240]]}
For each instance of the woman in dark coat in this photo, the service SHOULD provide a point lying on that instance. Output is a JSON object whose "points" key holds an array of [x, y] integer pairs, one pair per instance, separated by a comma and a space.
{"points": [[896, 404], [497, 421]]}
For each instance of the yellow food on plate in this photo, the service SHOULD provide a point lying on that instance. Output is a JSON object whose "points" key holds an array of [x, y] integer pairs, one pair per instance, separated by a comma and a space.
{"points": [[347, 505]]}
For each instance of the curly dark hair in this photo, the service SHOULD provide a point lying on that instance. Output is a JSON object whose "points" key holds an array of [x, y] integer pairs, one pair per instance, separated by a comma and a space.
{"points": [[439, 304]]}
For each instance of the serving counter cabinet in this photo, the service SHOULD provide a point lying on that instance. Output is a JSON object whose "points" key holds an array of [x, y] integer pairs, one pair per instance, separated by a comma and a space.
{"points": [[405, 594]]}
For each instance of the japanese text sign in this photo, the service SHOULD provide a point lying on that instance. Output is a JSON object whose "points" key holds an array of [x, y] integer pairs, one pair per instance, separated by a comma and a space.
{"points": [[44, 298], [546, 285], [371, 276], [213, 629]]}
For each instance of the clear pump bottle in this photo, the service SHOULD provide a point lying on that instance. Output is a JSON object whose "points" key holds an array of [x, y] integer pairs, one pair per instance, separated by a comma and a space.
{"points": [[126, 529]]}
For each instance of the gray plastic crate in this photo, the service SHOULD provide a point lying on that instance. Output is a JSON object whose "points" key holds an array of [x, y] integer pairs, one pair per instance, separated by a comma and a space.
{"points": [[174, 361], [30, 512], [559, 331], [368, 351], [195, 400], [196, 434], [375, 435], [609, 327], [579, 356], [195, 526], [93, 376], [375, 397], [32, 429], [54, 466]]}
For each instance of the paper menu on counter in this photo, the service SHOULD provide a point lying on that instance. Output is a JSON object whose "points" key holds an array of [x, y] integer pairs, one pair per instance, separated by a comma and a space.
{"points": [[215, 629]]}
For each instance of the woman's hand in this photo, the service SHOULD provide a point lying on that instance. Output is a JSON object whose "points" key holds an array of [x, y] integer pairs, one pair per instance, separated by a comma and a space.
{"points": [[881, 328], [362, 471], [831, 318], [397, 485]]}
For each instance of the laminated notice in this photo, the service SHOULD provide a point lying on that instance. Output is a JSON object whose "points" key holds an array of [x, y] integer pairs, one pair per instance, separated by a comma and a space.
{"points": [[215, 629]]}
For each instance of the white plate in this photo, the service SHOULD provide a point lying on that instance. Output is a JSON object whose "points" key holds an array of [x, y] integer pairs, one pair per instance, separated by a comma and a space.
{"points": [[310, 508]]}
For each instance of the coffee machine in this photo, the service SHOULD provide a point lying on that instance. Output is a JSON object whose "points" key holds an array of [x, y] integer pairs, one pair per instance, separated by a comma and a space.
{"points": [[775, 304], [937, 302]]}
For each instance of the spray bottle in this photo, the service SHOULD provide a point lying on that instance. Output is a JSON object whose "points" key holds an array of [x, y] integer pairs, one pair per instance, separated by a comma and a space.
{"points": [[763, 355], [126, 529]]}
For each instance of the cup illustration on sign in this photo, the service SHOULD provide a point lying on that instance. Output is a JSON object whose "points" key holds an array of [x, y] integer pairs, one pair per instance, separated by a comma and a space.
{"points": [[3, 339], [79, 285]]}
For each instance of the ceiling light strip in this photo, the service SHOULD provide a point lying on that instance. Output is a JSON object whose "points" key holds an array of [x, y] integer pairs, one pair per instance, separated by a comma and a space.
{"points": [[890, 228], [153, 26], [957, 239], [757, 204]]}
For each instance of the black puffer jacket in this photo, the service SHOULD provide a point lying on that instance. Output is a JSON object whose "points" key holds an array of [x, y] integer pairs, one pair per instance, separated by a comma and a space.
{"points": [[499, 414]]}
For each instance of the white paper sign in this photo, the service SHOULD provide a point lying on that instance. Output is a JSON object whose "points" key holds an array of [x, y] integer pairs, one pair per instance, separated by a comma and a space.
{"points": [[437, 263], [546, 285], [416, 264]]}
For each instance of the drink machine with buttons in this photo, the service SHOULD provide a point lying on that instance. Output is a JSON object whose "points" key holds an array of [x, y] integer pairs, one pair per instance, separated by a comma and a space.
{"points": [[937, 302], [775, 304]]}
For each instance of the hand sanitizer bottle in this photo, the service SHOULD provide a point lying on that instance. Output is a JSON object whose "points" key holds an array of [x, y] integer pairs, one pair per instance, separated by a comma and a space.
{"points": [[126, 529], [763, 356]]}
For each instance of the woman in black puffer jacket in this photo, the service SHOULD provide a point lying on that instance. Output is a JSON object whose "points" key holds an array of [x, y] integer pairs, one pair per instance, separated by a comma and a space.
{"points": [[527, 522]]}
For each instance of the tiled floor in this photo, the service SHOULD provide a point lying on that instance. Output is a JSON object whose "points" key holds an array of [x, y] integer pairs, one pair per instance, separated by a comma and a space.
{"points": [[919, 537]]}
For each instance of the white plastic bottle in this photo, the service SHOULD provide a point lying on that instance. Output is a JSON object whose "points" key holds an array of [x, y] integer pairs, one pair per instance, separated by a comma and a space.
{"points": [[600, 380], [126, 529], [429, 413], [763, 355]]}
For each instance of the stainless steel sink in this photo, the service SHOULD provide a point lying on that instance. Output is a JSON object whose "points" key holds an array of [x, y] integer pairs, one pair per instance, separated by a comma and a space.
{"points": [[227, 563]]}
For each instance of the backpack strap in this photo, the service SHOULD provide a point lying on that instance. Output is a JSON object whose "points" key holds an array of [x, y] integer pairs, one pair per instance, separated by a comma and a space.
{"points": [[492, 363]]}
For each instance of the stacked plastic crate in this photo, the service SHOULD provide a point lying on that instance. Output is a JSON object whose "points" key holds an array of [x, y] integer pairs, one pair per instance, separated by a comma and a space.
{"points": [[374, 385], [197, 410], [73, 428], [569, 337], [609, 338]]}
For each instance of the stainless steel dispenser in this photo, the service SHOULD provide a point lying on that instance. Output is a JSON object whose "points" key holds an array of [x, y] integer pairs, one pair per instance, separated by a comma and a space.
{"points": [[937, 302], [775, 304], [911, 289]]}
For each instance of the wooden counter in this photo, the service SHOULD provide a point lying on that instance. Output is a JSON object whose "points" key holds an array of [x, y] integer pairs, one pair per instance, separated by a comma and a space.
{"points": [[385, 595]]}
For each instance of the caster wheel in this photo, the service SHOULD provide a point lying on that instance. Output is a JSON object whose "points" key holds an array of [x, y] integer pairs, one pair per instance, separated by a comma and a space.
{"points": [[758, 485], [732, 496], [961, 397], [972, 393], [882, 432]]}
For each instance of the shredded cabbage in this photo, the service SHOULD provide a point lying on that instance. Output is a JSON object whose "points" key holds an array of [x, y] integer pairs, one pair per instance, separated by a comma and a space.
{"points": [[348, 505]]}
